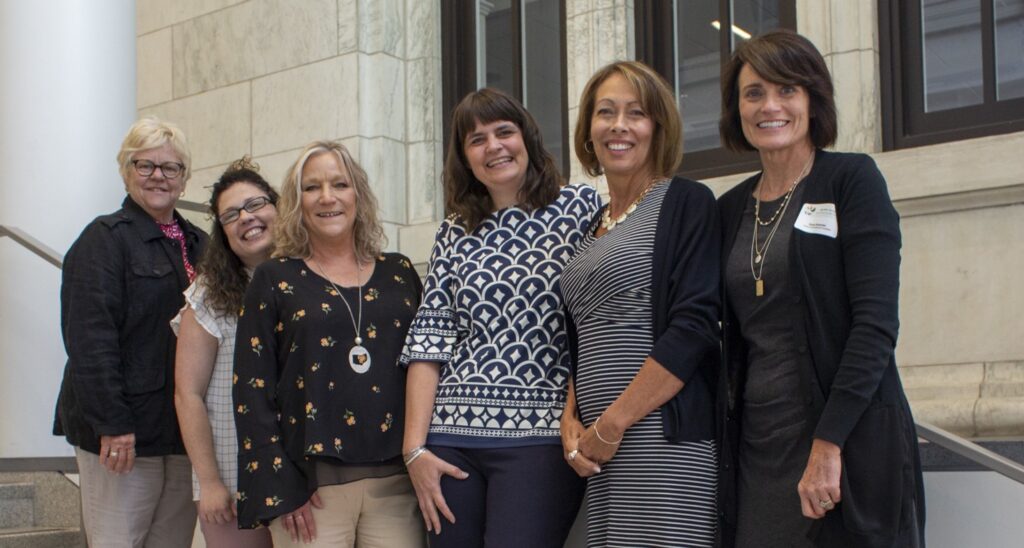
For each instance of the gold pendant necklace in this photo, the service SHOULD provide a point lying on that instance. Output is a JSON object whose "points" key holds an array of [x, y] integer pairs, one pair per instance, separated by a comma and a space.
{"points": [[759, 254]]}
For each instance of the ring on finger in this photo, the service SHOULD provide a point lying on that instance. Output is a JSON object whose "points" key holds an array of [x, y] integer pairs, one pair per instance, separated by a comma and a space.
{"points": [[113, 454], [572, 454], [827, 504]]}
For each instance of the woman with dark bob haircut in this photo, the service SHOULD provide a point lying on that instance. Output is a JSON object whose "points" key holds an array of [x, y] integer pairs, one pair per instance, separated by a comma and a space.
{"points": [[642, 298], [819, 445], [244, 208], [486, 355]]}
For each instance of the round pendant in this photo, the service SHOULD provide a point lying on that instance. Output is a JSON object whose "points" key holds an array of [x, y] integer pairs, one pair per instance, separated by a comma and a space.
{"points": [[359, 359], [757, 259]]}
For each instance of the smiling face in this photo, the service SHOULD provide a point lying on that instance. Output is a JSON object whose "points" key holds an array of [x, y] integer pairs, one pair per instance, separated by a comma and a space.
{"points": [[621, 129], [328, 199], [249, 235], [775, 117], [156, 194], [498, 158]]}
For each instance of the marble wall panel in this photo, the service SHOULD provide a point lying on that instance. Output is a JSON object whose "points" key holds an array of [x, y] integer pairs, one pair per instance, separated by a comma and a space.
{"points": [[422, 29], [316, 101], [385, 163], [381, 27], [153, 54], [998, 417], [252, 39], [348, 26], [949, 168], [424, 187], [416, 242], [151, 15], [216, 123], [855, 75], [955, 415], [960, 296], [576, 7], [381, 96], [423, 92]]}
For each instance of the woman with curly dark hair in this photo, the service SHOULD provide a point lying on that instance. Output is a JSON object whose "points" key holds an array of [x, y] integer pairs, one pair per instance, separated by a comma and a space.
{"points": [[240, 240]]}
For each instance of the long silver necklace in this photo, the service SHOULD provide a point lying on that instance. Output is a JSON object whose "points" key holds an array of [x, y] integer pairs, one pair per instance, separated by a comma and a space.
{"points": [[358, 356]]}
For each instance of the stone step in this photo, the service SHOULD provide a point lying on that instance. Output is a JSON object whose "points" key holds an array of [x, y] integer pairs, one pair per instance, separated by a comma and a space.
{"points": [[40, 537], [17, 503]]}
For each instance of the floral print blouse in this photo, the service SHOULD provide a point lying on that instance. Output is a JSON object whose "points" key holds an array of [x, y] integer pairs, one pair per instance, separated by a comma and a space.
{"points": [[296, 396]]}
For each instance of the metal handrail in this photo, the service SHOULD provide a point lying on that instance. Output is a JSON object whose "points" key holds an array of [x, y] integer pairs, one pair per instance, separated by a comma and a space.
{"points": [[44, 251], [971, 451], [192, 206]]}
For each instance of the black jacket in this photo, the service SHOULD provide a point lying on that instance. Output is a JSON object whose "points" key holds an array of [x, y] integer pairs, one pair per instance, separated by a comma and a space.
{"points": [[849, 303], [122, 283], [684, 299]]}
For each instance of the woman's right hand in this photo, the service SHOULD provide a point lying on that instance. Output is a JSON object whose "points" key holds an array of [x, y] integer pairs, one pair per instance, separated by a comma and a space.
{"points": [[300, 523], [216, 505], [425, 473], [571, 429]]}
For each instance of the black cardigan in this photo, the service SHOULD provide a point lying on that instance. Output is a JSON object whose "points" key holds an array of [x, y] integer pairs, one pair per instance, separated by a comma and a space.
{"points": [[849, 303], [685, 301]]}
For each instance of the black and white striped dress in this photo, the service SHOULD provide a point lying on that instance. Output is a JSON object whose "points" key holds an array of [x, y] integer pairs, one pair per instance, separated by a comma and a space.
{"points": [[653, 492]]}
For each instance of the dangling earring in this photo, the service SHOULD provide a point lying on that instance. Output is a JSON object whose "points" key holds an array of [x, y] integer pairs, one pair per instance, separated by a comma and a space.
{"points": [[589, 144]]}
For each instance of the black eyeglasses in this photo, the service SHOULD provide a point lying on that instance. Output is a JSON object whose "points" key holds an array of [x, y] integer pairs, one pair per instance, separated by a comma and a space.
{"points": [[252, 205], [171, 170]]}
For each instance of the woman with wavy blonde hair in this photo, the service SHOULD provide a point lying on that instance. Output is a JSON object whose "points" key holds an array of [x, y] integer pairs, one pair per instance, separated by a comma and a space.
{"points": [[319, 398]]}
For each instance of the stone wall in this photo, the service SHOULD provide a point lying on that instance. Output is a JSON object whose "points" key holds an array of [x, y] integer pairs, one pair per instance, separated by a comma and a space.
{"points": [[265, 77]]}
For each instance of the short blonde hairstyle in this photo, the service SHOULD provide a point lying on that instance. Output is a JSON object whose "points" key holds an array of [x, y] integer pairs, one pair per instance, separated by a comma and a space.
{"points": [[657, 100], [148, 133], [290, 235]]}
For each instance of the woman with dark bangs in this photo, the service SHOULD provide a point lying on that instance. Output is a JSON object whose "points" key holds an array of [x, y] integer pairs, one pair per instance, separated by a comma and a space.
{"points": [[244, 209], [487, 355]]}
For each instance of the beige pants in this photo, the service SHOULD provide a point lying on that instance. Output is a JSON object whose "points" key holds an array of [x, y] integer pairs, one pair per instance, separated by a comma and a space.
{"points": [[369, 513], [149, 507]]}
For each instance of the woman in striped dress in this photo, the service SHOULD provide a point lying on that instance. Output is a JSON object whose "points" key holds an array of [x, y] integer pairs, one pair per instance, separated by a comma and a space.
{"points": [[642, 295]]}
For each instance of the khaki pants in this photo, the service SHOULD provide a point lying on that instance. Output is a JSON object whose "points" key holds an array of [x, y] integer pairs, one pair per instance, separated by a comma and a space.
{"points": [[369, 513], [149, 507]]}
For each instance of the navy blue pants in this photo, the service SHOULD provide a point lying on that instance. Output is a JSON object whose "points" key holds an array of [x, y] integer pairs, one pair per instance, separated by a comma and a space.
{"points": [[514, 497]]}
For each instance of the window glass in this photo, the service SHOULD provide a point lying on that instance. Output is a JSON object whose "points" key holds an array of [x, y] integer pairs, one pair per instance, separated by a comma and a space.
{"points": [[753, 17], [952, 54], [542, 72], [1009, 19], [699, 67], [495, 39]]}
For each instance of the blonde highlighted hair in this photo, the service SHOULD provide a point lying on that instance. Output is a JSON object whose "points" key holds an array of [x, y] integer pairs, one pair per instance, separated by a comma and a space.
{"points": [[658, 101], [148, 133], [290, 235]]}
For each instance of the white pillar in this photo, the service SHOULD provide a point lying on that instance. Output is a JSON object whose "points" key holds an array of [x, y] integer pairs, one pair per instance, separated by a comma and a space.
{"points": [[67, 75]]}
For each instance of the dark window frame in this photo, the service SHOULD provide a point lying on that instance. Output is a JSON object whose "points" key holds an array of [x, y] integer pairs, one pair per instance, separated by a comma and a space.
{"points": [[459, 62], [905, 124], [654, 20]]}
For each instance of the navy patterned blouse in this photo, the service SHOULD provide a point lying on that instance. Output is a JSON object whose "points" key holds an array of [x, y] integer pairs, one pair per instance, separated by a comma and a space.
{"points": [[492, 316]]}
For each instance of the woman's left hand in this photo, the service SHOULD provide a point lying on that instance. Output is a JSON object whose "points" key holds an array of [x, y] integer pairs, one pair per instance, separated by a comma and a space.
{"points": [[595, 446], [819, 488]]}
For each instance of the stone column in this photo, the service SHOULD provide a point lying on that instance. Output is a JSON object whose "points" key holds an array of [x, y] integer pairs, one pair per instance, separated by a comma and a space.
{"points": [[67, 69], [597, 33]]}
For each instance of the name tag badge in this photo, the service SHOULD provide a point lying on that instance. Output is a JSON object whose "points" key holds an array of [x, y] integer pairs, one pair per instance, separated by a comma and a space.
{"points": [[818, 219]]}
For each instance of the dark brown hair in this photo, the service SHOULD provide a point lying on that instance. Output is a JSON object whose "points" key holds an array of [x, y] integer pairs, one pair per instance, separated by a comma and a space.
{"points": [[223, 273], [782, 57], [467, 197], [657, 100]]}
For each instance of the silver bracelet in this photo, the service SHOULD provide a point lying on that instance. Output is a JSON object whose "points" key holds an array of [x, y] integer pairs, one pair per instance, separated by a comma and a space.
{"points": [[598, 432], [414, 454]]}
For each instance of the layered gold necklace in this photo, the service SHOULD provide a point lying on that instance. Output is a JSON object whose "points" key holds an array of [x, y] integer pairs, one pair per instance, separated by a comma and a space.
{"points": [[759, 253]]}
